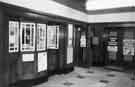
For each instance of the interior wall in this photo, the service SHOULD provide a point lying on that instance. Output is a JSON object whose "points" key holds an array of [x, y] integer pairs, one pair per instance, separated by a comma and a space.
{"points": [[49, 6]]}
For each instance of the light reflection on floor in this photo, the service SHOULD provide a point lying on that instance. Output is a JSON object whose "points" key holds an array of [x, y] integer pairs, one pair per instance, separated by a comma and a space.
{"points": [[93, 77]]}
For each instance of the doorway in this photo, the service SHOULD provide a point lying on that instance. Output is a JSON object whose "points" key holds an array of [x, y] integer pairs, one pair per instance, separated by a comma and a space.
{"points": [[120, 46]]}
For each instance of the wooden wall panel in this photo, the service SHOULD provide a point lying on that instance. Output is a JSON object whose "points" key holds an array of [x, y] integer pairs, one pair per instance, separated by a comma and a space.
{"points": [[3, 58]]}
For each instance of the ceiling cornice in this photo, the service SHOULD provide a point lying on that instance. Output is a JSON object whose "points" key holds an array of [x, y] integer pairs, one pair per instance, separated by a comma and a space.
{"points": [[112, 10]]}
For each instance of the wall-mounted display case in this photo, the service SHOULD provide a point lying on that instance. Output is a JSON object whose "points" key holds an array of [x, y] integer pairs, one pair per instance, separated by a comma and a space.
{"points": [[41, 37], [13, 36], [52, 36], [27, 36], [70, 44]]}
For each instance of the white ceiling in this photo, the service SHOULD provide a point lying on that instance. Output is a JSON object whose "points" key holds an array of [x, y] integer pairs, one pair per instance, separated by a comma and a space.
{"points": [[107, 4]]}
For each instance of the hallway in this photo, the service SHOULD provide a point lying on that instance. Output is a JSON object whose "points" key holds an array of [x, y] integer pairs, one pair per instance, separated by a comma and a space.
{"points": [[93, 77]]}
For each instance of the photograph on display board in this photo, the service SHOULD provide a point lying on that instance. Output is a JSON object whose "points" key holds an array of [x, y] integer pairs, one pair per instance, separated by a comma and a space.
{"points": [[13, 36], [41, 37], [27, 37], [52, 36]]}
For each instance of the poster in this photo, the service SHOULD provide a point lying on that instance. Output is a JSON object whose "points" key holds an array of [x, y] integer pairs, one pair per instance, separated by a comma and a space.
{"points": [[70, 35], [27, 36], [52, 36], [83, 41], [42, 61], [128, 47], [28, 57], [41, 37], [13, 36], [69, 55], [112, 48]]}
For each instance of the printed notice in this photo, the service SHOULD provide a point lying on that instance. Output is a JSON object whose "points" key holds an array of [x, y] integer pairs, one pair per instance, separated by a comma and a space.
{"points": [[28, 57], [42, 61]]}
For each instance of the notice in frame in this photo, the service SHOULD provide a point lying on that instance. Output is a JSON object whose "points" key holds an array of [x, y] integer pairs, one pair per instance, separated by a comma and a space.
{"points": [[42, 61]]}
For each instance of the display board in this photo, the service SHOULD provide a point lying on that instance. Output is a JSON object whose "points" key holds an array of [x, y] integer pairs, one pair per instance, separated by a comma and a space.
{"points": [[112, 47], [53, 36], [112, 42], [41, 37], [128, 47], [83, 40], [27, 36], [69, 55], [13, 36], [70, 44], [42, 61]]}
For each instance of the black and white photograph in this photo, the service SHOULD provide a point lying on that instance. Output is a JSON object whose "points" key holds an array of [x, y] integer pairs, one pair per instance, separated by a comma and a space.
{"points": [[67, 43]]}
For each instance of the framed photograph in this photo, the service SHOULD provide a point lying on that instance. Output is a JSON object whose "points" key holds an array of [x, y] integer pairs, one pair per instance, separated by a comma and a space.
{"points": [[13, 36]]}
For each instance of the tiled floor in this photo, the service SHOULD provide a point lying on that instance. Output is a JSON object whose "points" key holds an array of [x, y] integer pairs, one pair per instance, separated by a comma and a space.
{"points": [[93, 77]]}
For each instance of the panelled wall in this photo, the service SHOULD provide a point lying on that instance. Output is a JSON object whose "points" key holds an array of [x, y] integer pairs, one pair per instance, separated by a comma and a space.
{"points": [[35, 45]]}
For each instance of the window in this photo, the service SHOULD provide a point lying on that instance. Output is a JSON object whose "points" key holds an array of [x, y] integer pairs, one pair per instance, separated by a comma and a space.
{"points": [[53, 37], [41, 37], [13, 36], [27, 37]]}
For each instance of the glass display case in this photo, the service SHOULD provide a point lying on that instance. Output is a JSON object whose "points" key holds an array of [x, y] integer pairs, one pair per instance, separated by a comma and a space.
{"points": [[27, 36], [41, 37], [70, 44], [13, 36], [52, 36]]}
